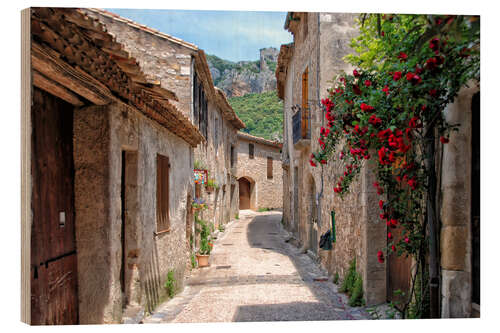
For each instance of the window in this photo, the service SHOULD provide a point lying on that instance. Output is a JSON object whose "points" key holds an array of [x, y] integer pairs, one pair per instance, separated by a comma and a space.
{"points": [[269, 167], [232, 156], [162, 193], [251, 151], [305, 104], [216, 133], [200, 106]]}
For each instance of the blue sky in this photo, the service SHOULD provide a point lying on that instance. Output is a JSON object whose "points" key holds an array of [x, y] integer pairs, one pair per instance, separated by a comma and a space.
{"points": [[231, 35]]}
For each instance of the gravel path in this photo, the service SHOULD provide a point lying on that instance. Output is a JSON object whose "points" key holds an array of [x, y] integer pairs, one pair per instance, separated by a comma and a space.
{"points": [[254, 275]]}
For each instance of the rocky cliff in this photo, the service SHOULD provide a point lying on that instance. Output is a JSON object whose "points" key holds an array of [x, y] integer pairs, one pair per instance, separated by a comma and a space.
{"points": [[244, 77]]}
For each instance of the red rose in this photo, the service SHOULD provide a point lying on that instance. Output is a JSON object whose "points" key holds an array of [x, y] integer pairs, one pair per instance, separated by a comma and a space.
{"points": [[393, 248], [389, 235], [368, 83], [365, 107], [433, 92], [380, 256], [434, 43], [444, 140], [402, 56], [323, 162], [386, 89], [409, 76], [312, 163], [356, 89], [407, 240], [383, 33], [412, 183], [355, 73], [397, 76], [381, 204]]}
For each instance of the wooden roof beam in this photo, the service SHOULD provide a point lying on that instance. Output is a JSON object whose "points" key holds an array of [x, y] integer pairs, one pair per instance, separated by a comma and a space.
{"points": [[54, 88], [74, 79]]}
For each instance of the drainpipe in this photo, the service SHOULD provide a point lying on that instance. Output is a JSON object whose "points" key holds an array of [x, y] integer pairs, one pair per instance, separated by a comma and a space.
{"points": [[432, 223], [318, 85]]}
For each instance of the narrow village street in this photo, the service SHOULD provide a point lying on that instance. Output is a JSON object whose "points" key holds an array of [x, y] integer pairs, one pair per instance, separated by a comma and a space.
{"points": [[254, 275]]}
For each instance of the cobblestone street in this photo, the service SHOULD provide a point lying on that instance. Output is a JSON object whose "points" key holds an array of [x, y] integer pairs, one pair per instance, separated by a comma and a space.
{"points": [[254, 275]]}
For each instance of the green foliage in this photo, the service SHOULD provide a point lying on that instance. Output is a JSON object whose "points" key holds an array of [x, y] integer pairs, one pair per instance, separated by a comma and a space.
{"points": [[220, 64], [212, 183], [271, 65], [193, 261], [170, 284], [336, 278], [357, 292], [252, 66], [221, 228], [262, 209], [261, 113], [420, 305], [349, 279], [205, 239], [352, 285], [237, 216], [199, 165]]}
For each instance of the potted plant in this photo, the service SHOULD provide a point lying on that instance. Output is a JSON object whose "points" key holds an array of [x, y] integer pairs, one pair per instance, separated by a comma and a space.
{"points": [[211, 184], [206, 245], [198, 204]]}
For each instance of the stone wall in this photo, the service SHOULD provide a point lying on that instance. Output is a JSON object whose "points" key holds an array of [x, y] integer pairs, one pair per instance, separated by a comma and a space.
{"points": [[268, 192], [161, 59], [358, 231], [215, 155], [455, 239], [101, 134]]}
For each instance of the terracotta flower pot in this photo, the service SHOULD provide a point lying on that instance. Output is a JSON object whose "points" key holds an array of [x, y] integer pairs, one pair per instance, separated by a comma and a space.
{"points": [[202, 259]]}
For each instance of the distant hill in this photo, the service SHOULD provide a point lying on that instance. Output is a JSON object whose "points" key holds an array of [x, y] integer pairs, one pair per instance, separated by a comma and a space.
{"points": [[262, 114], [245, 77]]}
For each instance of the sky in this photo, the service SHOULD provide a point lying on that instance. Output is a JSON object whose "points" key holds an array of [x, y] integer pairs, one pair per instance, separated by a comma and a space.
{"points": [[230, 35]]}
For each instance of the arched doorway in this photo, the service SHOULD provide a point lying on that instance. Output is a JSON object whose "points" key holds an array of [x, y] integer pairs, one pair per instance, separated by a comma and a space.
{"points": [[244, 193], [246, 189]]}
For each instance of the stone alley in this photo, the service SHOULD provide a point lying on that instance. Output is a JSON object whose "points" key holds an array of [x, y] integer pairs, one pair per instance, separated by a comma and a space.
{"points": [[254, 275]]}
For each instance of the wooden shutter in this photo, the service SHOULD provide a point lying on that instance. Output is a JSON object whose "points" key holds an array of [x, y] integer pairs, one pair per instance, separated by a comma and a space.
{"points": [[269, 168], [305, 105], [162, 193], [251, 152], [232, 156]]}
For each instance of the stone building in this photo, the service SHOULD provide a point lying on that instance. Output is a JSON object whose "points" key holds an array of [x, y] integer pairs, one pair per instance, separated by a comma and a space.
{"points": [[182, 68], [305, 70], [111, 161], [260, 175]]}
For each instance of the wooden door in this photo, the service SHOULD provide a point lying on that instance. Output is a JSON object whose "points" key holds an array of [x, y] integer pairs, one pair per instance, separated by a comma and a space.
{"points": [[244, 193], [53, 248], [475, 202], [398, 272]]}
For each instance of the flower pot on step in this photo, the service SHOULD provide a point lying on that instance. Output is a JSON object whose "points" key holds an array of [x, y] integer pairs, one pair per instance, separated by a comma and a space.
{"points": [[202, 259]]}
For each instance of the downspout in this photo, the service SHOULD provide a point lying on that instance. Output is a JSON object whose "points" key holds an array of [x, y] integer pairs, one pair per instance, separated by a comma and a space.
{"points": [[432, 222], [318, 64]]}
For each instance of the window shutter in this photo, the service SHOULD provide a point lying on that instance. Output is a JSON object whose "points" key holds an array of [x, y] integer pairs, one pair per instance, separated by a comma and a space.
{"points": [[269, 167], [162, 193], [251, 150], [305, 105]]}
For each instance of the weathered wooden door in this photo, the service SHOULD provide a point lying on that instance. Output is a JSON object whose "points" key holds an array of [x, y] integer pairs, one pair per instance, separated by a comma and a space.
{"points": [[53, 248], [244, 193], [475, 200], [398, 272]]}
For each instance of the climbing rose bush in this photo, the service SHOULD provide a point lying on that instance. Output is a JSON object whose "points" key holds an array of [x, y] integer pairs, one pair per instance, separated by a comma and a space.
{"points": [[390, 105]]}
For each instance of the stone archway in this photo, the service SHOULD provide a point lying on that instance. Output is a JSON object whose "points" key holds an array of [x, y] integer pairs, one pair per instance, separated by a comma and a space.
{"points": [[247, 192]]}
